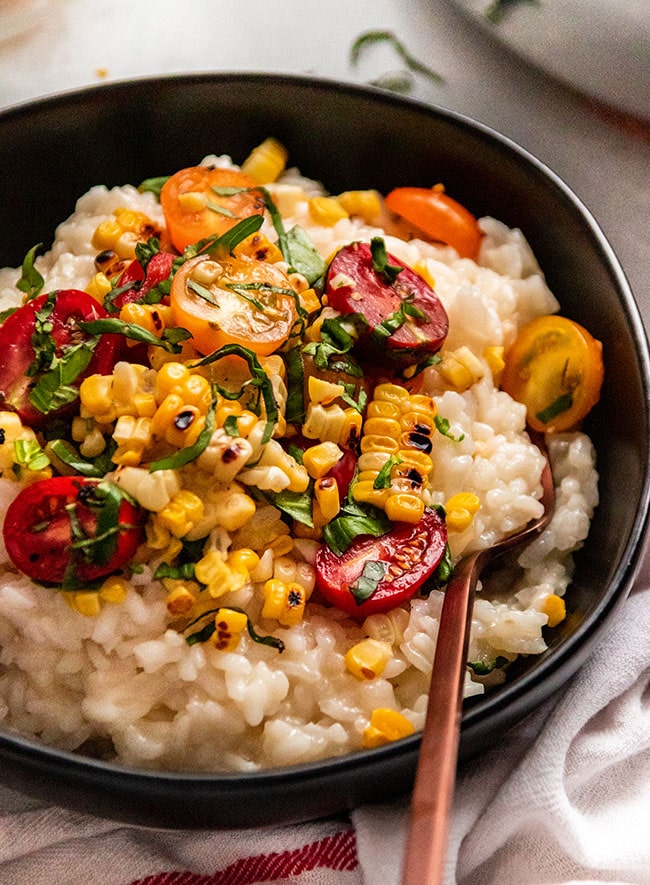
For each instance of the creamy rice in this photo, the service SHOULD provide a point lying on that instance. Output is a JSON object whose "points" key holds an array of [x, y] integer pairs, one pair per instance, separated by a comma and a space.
{"points": [[126, 684]]}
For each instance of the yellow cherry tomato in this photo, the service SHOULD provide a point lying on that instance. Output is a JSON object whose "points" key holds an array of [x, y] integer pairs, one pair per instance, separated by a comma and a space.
{"points": [[233, 301], [555, 367]]}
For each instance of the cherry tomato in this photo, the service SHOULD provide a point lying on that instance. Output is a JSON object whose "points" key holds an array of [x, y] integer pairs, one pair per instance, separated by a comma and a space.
{"points": [[159, 269], [234, 301], [204, 201], [39, 530], [438, 216], [409, 554], [555, 367], [354, 286], [17, 352], [343, 472]]}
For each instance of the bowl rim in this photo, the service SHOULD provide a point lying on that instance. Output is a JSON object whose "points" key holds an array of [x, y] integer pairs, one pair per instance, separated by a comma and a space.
{"points": [[559, 661]]}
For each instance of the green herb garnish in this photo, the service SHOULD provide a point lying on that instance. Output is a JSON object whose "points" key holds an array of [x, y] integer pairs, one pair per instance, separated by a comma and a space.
{"points": [[444, 427], [372, 38], [170, 339], [189, 453], [31, 282], [561, 404], [365, 585], [209, 629], [153, 185], [380, 262], [353, 520]]}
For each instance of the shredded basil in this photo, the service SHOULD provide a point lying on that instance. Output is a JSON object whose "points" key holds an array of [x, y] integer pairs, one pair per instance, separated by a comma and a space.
{"points": [[153, 185], [189, 453], [54, 389], [444, 427], [65, 452], [220, 210], [259, 380], [183, 572], [370, 38], [209, 629], [295, 405], [338, 337], [170, 340], [225, 242], [31, 282], [303, 256], [382, 480], [231, 425], [441, 576], [353, 520], [561, 404], [365, 585], [482, 668], [380, 263], [29, 454], [297, 505]]}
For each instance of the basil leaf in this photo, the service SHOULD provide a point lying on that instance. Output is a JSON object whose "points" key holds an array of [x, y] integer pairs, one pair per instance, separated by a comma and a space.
{"points": [[444, 427], [184, 572], [207, 631], [64, 452], [303, 256], [227, 241], [336, 340], [144, 252], [29, 454], [54, 389], [170, 340], [189, 453], [365, 585], [231, 425], [354, 520], [380, 261], [561, 404], [482, 668], [31, 282], [370, 38], [220, 210], [295, 405], [382, 480], [297, 505], [153, 185]]}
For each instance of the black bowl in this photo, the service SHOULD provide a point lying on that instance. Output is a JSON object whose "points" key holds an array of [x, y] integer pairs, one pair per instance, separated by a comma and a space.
{"points": [[53, 150]]}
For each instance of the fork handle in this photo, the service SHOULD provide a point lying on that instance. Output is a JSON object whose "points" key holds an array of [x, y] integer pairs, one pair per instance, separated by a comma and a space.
{"points": [[426, 844]]}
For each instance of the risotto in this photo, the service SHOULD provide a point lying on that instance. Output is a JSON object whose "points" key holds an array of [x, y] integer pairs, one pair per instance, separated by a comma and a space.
{"points": [[252, 430]]}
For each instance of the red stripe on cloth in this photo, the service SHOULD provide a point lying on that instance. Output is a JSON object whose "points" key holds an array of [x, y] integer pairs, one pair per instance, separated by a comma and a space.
{"points": [[337, 852]]}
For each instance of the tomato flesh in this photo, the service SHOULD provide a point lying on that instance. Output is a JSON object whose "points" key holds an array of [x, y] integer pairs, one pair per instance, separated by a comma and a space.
{"points": [[17, 352], [438, 217], [555, 367], [249, 302], [354, 286], [410, 554], [158, 269], [38, 531]]}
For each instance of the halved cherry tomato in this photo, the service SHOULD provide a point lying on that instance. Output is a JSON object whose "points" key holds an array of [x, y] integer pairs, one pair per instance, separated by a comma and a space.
{"points": [[218, 199], [51, 515], [158, 270], [17, 352], [234, 301], [354, 286], [438, 216], [555, 367], [409, 554]]}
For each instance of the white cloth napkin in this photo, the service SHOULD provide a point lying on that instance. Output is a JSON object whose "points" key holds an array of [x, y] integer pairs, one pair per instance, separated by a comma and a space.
{"points": [[563, 797]]}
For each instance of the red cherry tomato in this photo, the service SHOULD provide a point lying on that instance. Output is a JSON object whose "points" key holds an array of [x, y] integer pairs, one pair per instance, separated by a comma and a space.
{"points": [[343, 472], [159, 269], [48, 517], [409, 554], [17, 353], [354, 286]]}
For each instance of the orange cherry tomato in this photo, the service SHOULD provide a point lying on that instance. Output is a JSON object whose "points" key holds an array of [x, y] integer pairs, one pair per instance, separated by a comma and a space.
{"points": [[233, 301], [205, 201], [438, 216], [555, 367]]}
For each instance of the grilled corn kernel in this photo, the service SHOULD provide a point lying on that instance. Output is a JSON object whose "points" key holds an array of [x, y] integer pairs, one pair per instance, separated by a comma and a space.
{"points": [[494, 357], [259, 247], [319, 459], [180, 600], [378, 408], [99, 287], [404, 507], [219, 578], [326, 210], [87, 603], [284, 602], [461, 368], [364, 204], [114, 589], [326, 491], [182, 513], [460, 510], [391, 393], [321, 391], [229, 626], [365, 493], [384, 444], [367, 659], [266, 162], [386, 725], [381, 427], [106, 234], [95, 395], [171, 378], [244, 559], [555, 609]]}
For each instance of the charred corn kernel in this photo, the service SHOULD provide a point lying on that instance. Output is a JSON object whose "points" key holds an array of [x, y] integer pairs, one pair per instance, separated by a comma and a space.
{"points": [[460, 510], [319, 459], [367, 659], [259, 247], [229, 626], [386, 725], [180, 600], [244, 559], [87, 603], [326, 210], [114, 589], [192, 201], [494, 357], [420, 402], [122, 232], [413, 459], [383, 409], [404, 507], [321, 391], [182, 513], [218, 577], [176, 422], [364, 204], [555, 609], [284, 602], [351, 429], [99, 287], [106, 234], [391, 393], [461, 368], [366, 493], [417, 422], [266, 162], [326, 491]]}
